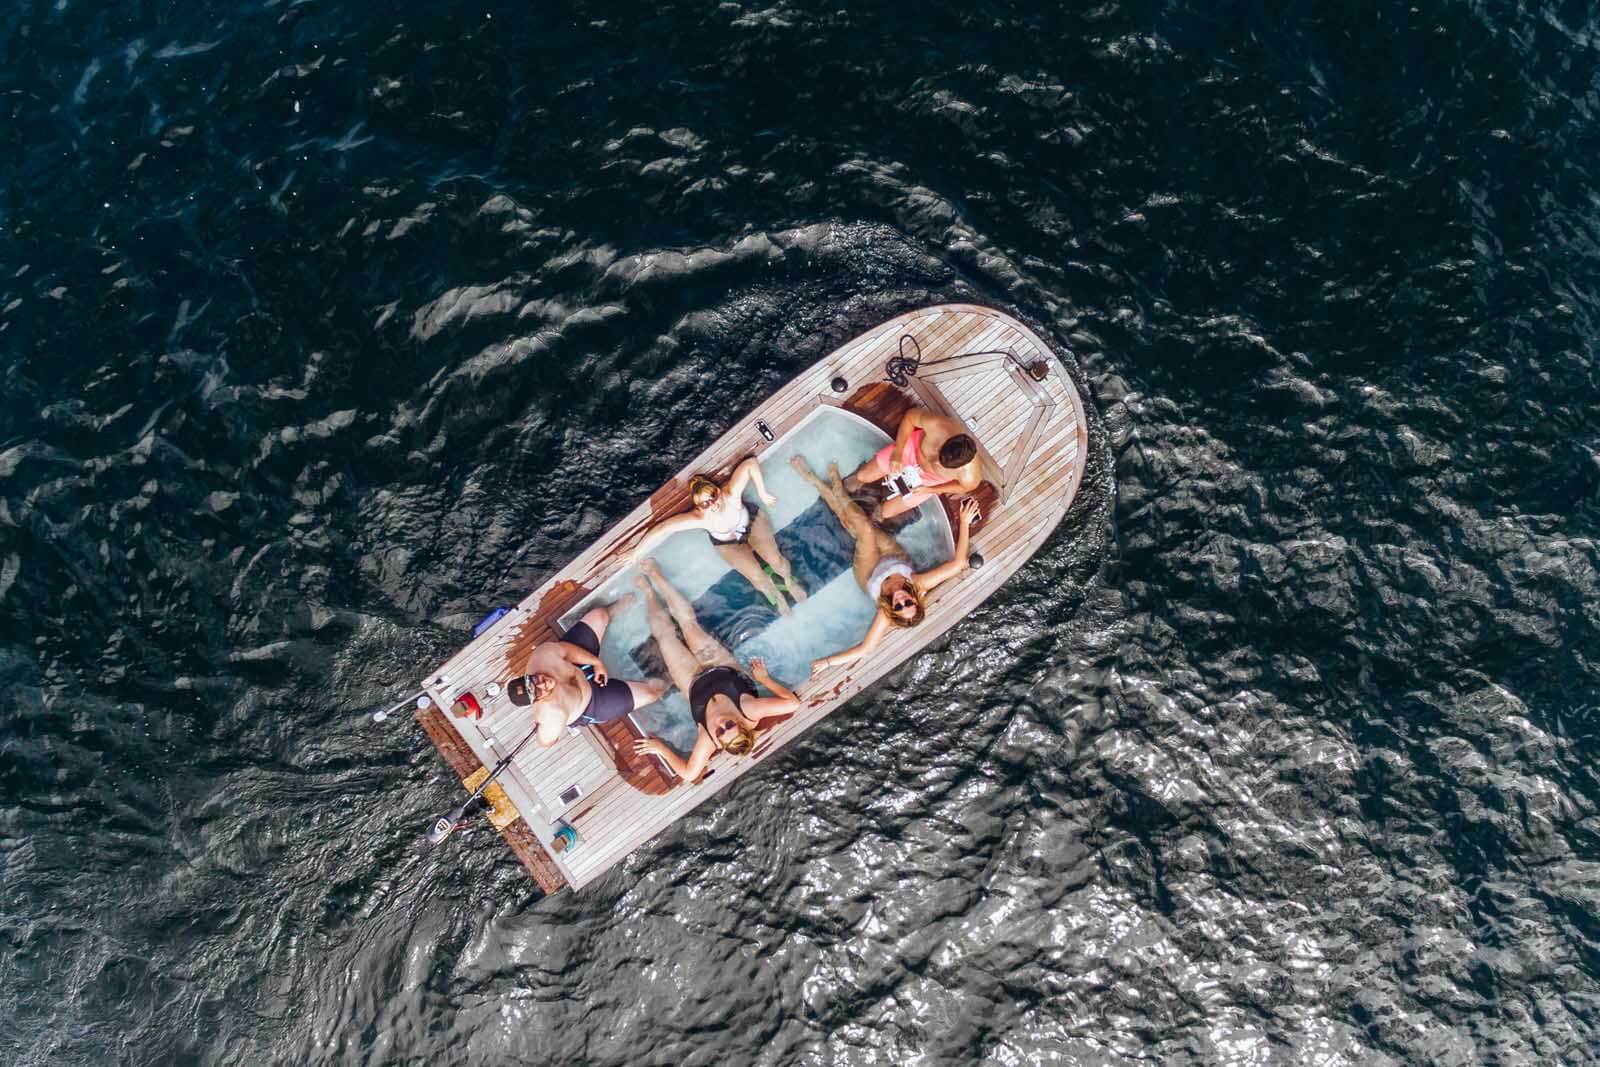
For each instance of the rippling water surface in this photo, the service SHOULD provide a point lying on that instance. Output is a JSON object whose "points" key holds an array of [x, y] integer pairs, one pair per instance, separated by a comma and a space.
{"points": [[325, 327]]}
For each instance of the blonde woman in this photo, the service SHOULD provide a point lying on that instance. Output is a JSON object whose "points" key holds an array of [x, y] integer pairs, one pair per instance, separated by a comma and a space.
{"points": [[882, 568], [727, 712], [744, 540]]}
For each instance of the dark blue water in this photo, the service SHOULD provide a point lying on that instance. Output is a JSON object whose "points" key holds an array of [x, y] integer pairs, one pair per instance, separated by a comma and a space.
{"points": [[325, 328]]}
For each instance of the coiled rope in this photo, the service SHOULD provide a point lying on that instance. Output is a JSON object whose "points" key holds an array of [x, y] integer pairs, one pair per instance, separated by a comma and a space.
{"points": [[902, 368]]}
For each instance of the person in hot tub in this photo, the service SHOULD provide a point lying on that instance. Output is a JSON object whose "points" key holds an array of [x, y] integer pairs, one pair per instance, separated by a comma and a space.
{"points": [[932, 453], [727, 712], [882, 567], [744, 540]]}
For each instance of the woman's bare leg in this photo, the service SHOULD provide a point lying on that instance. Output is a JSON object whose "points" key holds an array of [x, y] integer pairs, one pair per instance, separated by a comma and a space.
{"points": [[887, 545], [682, 666], [743, 560], [765, 542], [855, 521], [871, 542], [706, 650]]}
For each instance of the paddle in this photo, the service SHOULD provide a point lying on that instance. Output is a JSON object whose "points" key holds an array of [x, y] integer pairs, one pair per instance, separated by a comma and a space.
{"points": [[446, 823]]}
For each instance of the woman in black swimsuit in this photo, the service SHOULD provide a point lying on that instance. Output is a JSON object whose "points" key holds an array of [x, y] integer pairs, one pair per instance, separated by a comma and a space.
{"points": [[722, 699]]}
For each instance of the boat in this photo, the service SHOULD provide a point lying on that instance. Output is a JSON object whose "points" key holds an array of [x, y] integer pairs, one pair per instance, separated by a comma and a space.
{"points": [[573, 811]]}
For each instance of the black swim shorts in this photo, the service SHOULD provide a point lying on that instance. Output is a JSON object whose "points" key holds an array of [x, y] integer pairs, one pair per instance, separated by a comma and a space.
{"points": [[606, 702]]}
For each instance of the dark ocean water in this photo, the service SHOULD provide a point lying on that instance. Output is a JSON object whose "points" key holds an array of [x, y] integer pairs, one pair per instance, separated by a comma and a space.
{"points": [[325, 328]]}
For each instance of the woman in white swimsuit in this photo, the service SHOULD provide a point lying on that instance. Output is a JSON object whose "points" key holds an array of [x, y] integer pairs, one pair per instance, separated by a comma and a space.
{"points": [[881, 565], [745, 541]]}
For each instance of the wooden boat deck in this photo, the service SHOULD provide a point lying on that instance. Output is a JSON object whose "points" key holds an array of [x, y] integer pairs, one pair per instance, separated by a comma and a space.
{"points": [[1033, 439]]}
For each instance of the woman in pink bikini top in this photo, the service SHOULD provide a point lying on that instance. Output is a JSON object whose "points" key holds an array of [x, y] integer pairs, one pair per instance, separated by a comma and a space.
{"points": [[934, 454]]}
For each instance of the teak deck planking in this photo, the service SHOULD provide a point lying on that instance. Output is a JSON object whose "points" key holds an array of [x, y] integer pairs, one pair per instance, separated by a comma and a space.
{"points": [[1034, 440]]}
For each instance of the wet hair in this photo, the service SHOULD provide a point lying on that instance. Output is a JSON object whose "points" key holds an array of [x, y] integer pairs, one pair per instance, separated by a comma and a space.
{"points": [[886, 605], [958, 451], [699, 484]]}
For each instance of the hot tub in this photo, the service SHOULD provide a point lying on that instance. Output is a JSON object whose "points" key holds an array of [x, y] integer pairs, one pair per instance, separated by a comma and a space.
{"points": [[836, 613]]}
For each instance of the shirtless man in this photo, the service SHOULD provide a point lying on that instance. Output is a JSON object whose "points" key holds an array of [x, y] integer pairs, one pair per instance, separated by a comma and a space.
{"points": [[567, 684], [935, 453]]}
